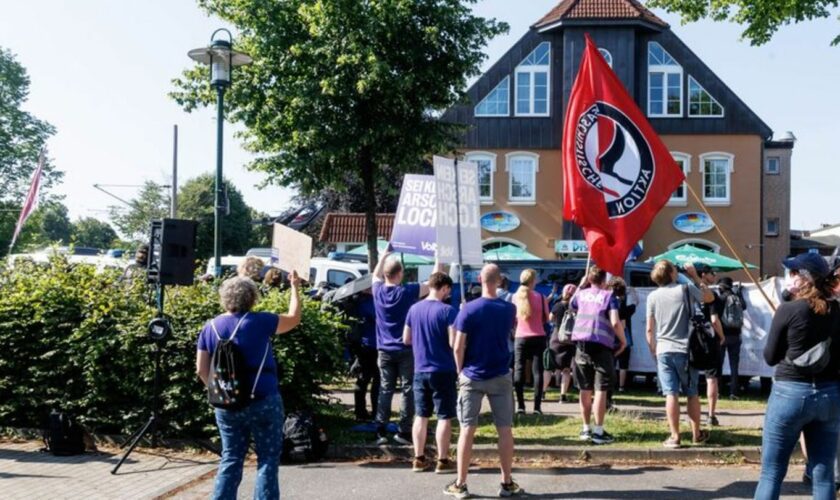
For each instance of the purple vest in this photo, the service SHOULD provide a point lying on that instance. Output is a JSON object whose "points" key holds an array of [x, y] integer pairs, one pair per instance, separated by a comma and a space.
{"points": [[592, 321]]}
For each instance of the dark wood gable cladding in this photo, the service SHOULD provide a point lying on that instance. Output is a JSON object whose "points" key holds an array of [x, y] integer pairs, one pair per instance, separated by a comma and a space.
{"points": [[624, 43]]}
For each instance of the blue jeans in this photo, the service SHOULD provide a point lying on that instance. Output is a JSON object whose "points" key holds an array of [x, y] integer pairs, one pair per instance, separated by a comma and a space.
{"points": [[797, 407], [262, 420], [675, 375], [393, 365]]}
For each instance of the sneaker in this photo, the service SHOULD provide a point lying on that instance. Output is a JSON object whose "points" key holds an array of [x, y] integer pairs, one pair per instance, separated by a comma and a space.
{"points": [[564, 398], [713, 421], [403, 438], [520, 411], [419, 464], [537, 412], [445, 466], [621, 389], [510, 489], [603, 438], [671, 443], [456, 490], [381, 439], [585, 435], [702, 438]]}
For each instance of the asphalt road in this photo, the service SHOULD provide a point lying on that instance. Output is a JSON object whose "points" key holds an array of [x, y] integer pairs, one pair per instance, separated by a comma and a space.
{"points": [[385, 481]]}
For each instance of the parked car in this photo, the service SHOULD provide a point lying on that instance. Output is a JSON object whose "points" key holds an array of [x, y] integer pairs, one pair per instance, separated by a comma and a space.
{"points": [[335, 272]]}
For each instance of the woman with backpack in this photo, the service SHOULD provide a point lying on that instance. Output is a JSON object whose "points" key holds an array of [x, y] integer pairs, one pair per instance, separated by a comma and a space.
{"points": [[529, 340], [804, 345], [562, 349], [235, 360]]}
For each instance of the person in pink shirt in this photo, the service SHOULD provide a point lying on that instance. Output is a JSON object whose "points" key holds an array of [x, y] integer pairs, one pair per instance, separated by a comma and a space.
{"points": [[529, 342]]}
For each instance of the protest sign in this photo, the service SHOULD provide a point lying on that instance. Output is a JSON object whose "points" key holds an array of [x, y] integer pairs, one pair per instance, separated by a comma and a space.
{"points": [[414, 224], [454, 206], [291, 250]]}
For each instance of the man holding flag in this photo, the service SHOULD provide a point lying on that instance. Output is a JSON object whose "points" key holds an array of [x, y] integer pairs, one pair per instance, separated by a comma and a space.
{"points": [[617, 173], [30, 204]]}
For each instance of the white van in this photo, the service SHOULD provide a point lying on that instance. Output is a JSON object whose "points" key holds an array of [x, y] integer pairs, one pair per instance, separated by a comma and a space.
{"points": [[335, 272]]}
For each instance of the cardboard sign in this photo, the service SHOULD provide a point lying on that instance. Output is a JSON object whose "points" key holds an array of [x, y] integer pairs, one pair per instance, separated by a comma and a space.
{"points": [[414, 224], [458, 202], [291, 251]]}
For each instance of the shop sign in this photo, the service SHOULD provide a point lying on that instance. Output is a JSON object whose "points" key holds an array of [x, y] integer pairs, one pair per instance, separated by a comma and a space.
{"points": [[499, 222], [571, 246], [693, 223]]}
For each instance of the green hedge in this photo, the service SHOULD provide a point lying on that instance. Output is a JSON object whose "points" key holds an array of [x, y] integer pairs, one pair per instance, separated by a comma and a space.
{"points": [[74, 338]]}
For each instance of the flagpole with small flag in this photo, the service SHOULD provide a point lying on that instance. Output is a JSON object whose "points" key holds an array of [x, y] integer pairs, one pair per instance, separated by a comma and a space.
{"points": [[30, 204]]}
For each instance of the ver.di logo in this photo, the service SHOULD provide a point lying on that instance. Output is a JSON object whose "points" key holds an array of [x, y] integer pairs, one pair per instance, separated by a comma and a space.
{"points": [[613, 156]]}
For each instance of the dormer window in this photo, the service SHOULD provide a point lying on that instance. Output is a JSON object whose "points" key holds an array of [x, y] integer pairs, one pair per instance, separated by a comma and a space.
{"points": [[532, 82], [606, 55], [700, 102], [665, 83], [497, 102]]}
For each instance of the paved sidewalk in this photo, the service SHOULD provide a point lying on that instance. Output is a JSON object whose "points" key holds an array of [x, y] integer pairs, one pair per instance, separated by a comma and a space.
{"points": [[27, 473]]}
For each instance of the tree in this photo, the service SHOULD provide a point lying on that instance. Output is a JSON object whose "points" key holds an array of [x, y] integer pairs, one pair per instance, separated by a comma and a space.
{"points": [[90, 232], [196, 202], [152, 203], [343, 87], [762, 18], [55, 223]]}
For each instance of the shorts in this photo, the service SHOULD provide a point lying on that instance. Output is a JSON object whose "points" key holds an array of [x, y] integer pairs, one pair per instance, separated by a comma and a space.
{"points": [[594, 367], [499, 392], [564, 356], [675, 375], [435, 390], [717, 370], [624, 359]]}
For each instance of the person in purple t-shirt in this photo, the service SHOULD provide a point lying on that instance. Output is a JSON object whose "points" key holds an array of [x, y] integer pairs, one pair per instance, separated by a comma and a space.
{"points": [[482, 358], [597, 328], [429, 331], [391, 301]]}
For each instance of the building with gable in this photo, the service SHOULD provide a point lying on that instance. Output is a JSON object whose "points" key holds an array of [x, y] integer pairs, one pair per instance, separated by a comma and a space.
{"points": [[514, 117]]}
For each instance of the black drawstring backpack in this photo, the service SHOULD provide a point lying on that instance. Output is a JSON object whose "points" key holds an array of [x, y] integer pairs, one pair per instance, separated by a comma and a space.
{"points": [[228, 372]]}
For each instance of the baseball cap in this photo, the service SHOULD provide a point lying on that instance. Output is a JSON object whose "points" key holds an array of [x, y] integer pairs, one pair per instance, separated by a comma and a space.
{"points": [[814, 263]]}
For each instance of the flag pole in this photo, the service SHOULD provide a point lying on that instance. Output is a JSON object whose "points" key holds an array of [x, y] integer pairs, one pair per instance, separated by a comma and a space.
{"points": [[458, 233], [730, 246]]}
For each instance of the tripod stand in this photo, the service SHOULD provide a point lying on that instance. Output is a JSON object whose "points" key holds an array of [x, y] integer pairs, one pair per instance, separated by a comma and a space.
{"points": [[158, 331]]}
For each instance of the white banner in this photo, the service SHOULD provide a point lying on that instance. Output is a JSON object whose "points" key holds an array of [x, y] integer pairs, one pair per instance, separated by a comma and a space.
{"points": [[451, 207], [757, 320]]}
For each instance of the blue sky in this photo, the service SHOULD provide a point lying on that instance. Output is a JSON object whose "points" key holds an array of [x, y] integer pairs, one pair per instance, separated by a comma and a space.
{"points": [[101, 69]]}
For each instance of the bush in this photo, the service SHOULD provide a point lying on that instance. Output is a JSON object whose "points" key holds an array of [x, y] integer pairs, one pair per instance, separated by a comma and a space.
{"points": [[74, 338]]}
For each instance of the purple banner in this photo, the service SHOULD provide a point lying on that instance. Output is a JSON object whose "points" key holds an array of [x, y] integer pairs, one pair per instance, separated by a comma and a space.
{"points": [[414, 224]]}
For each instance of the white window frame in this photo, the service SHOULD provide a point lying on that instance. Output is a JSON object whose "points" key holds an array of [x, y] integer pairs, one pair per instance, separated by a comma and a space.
{"points": [[767, 231], [505, 80], [691, 241], [778, 170], [718, 155], [532, 200], [485, 155], [666, 70], [702, 88], [532, 70], [607, 55], [507, 241], [686, 159]]}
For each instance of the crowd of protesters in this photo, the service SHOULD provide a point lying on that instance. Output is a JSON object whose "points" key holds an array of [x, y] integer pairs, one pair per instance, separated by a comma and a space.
{"points": [[448, 361]]}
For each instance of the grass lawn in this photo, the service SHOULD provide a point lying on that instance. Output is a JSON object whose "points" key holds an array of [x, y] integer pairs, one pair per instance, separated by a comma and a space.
{"points": [[650, 399]]}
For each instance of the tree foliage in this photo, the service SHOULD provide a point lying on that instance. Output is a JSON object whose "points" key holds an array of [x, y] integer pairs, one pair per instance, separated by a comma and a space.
{"points": [[151, 203], [22, 135], [340, 88], [196, 202], [762, 18], [90, 232]]}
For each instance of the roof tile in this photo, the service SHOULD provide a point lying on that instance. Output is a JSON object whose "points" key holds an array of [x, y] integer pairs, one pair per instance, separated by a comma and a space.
{"points": [[350, 228], [600, 9]]}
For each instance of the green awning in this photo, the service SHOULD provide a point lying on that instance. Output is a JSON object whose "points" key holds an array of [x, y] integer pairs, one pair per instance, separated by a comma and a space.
{"points": [[407, 259], [509, 252], [692, 254]]}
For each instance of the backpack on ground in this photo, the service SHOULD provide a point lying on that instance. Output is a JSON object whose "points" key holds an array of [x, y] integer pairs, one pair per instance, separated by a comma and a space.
{"points": [[703, 349], [303, 439], [733, 312], [229, 372], [63, 435]]}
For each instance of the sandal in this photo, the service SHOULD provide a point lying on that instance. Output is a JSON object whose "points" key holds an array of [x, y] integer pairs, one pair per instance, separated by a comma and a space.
{"points": [[702, 438]]}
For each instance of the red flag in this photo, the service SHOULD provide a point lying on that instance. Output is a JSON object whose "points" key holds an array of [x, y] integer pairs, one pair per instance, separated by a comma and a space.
{"points": [[617, 173], [31, 202]]}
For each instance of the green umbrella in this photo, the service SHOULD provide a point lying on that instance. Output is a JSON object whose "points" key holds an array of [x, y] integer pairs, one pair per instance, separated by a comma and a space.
{"points": [[694, 255], [407, 259], [509, 252]]}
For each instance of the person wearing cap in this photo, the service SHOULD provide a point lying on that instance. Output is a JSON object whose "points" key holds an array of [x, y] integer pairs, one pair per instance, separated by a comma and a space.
{"points": [[804, 346], [731, 332], [712, 311]]}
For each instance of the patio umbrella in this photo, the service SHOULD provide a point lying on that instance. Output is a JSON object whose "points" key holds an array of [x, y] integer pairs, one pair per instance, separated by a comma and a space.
{"points": [[356, 286], [509, 252], [692, 254], [407, 259]]}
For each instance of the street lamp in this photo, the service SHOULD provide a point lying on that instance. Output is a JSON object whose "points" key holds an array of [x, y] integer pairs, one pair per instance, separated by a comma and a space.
{"points": [[221, 58]]}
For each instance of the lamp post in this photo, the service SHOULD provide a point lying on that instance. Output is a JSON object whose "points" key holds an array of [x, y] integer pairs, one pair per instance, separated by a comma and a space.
{"points": [[221, 58]]}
